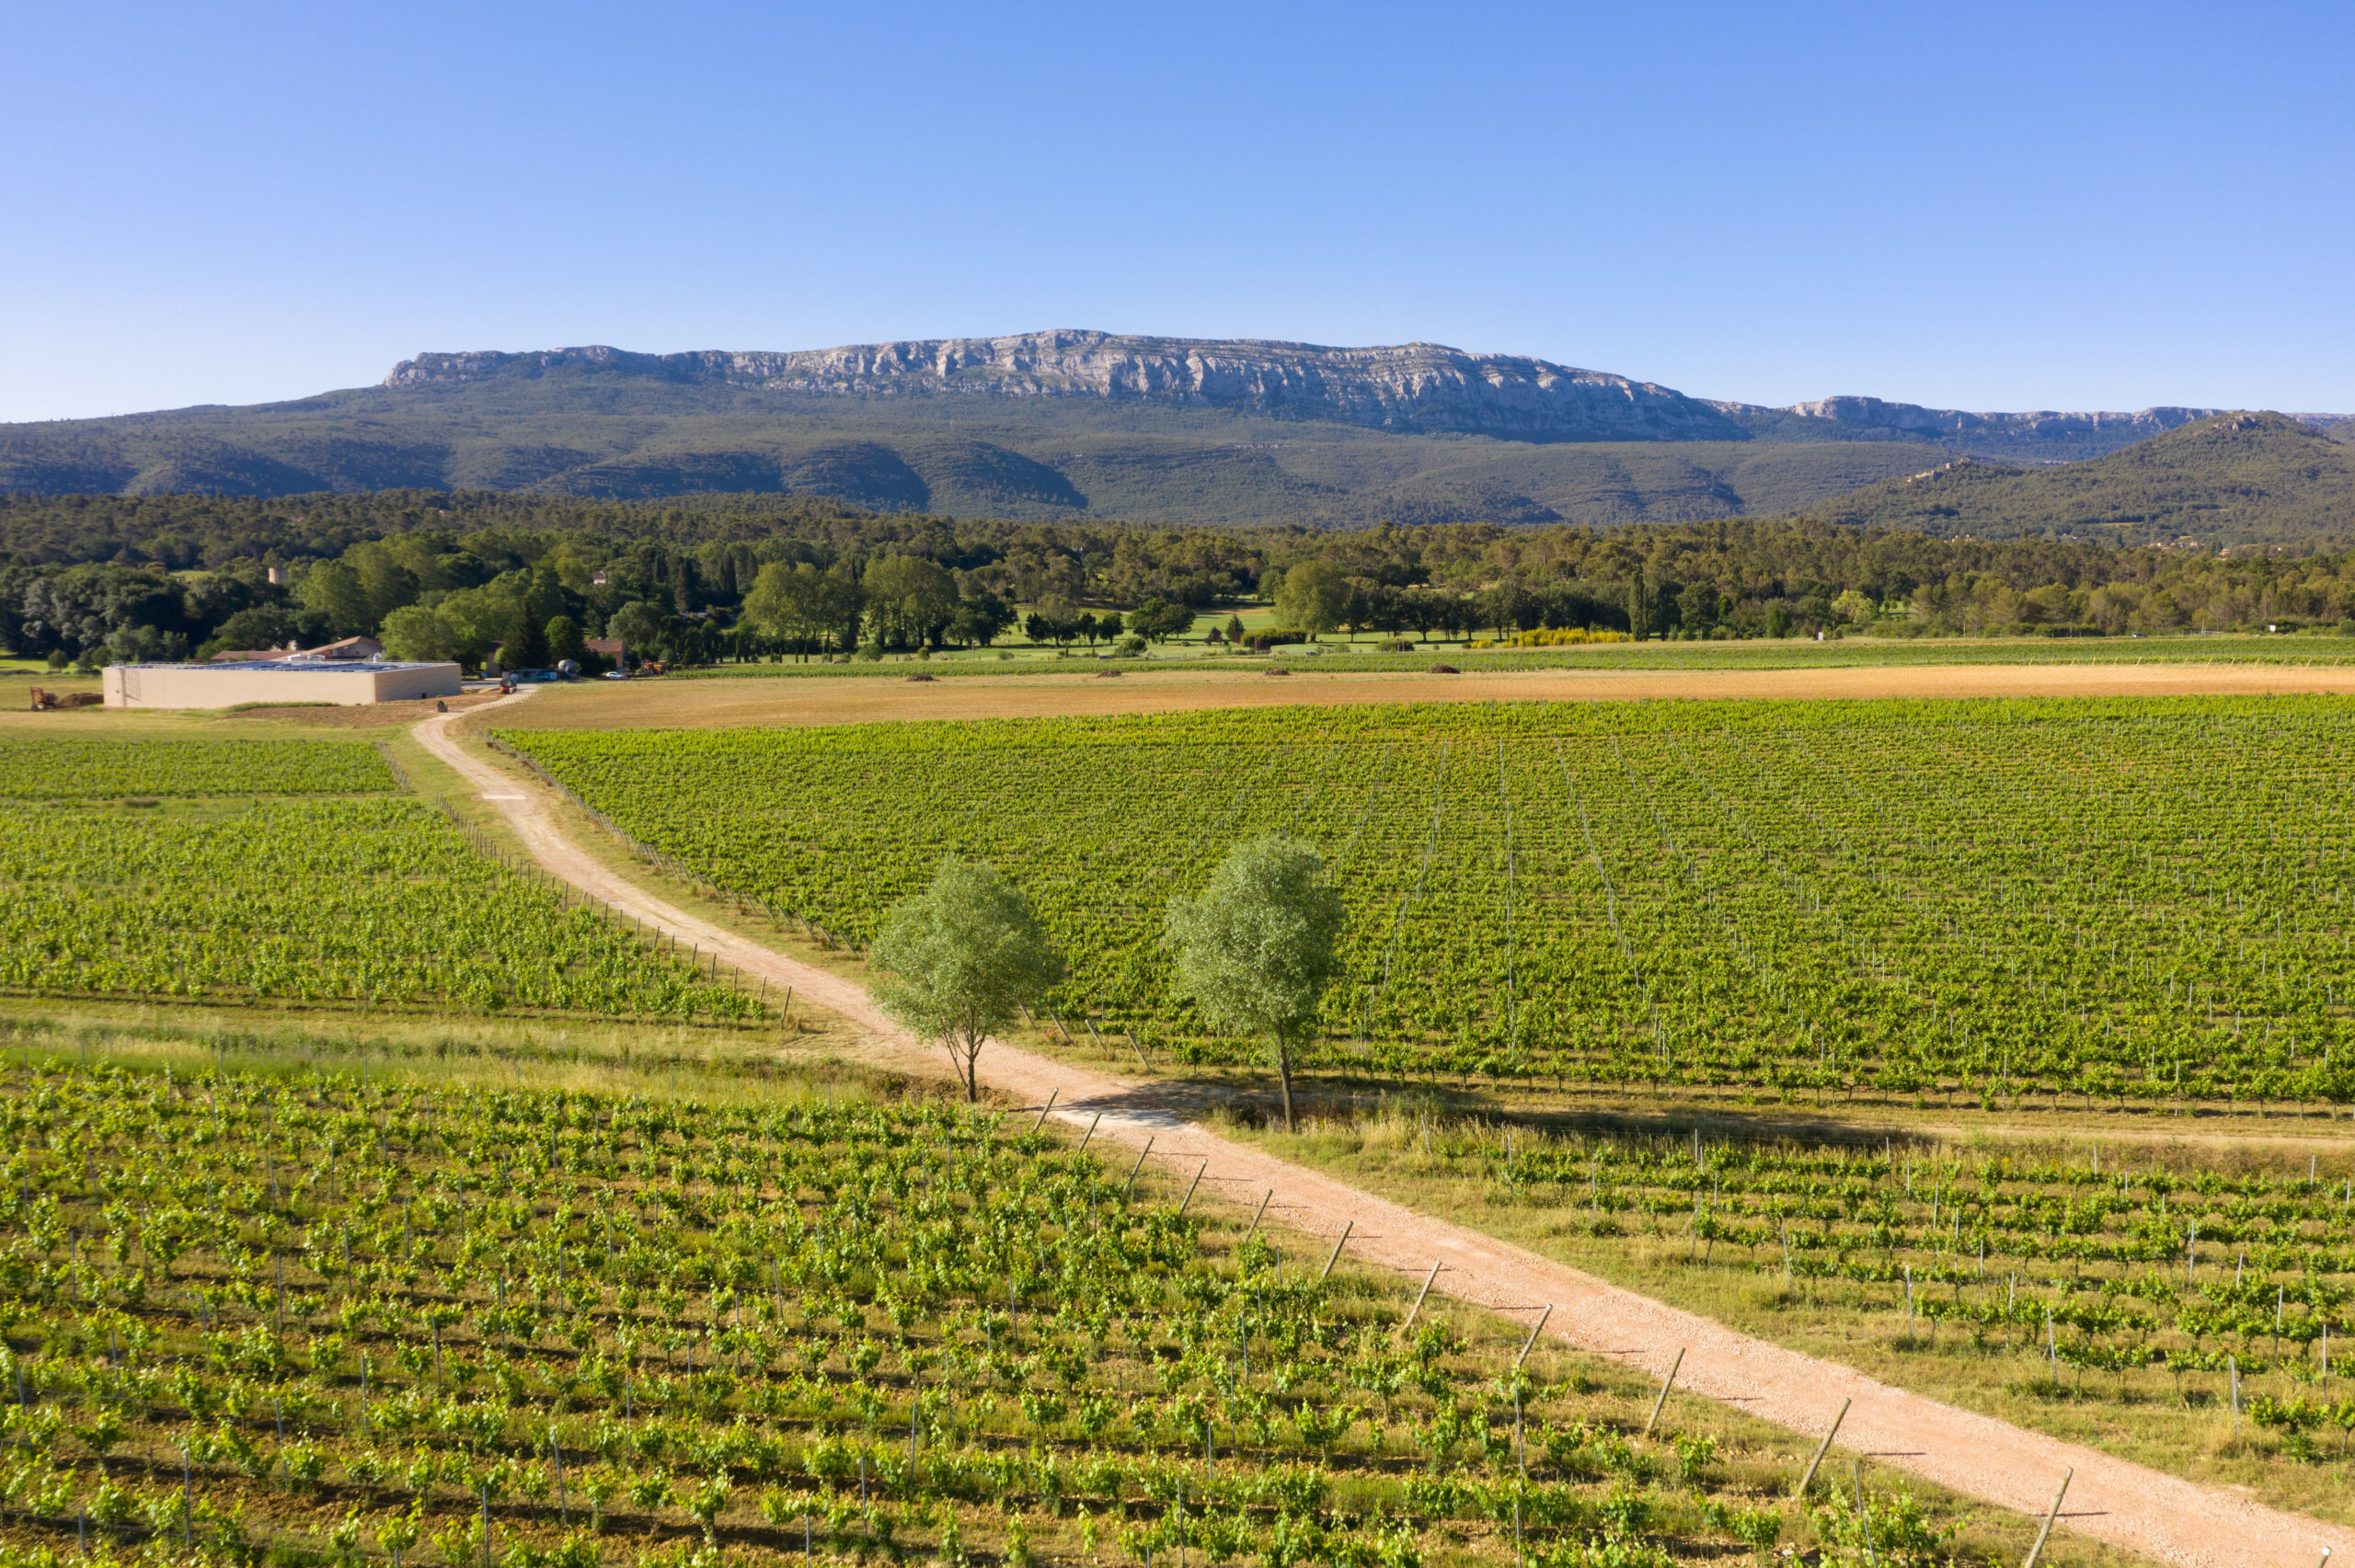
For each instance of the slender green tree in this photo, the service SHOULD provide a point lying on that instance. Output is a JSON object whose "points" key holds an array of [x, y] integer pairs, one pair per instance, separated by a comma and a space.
{"points": [[959, 959], [1258, 946], [1641, 609]]}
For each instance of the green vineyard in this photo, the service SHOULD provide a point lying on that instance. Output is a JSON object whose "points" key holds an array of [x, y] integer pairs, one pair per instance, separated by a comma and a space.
{"points": [[1985, 899], [315, 1319], [2142, 1284], [75, 768], [381, 903]]}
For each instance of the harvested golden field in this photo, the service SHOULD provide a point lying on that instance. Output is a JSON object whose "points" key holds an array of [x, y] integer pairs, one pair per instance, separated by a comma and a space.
{"points": [[671, 703]]}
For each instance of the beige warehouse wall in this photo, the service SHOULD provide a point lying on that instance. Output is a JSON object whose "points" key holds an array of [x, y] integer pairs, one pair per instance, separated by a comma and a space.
{"points": [[197, 686]]}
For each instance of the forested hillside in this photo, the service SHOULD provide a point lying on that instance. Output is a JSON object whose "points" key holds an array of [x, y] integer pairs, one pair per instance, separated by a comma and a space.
{"points": [[1202, 468], [90, 579], [2234, 479]]}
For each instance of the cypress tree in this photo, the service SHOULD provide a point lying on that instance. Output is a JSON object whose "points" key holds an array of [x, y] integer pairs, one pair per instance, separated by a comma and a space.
{"points": [[1639, 606]]}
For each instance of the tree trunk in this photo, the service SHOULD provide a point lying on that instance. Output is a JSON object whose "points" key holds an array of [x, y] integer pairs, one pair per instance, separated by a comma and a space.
{"points": [[962, 1053], [1283, 1076]]}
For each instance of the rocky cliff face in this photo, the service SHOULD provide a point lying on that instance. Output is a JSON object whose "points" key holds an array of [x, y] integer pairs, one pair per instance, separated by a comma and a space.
{"points": [[1414, 386], [1955, 425]]}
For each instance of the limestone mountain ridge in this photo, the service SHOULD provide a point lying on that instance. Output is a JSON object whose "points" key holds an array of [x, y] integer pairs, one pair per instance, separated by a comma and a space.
{"points": [[1423, 388]]}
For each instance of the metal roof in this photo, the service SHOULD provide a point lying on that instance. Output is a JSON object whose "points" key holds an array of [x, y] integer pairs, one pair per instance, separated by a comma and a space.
{"points": [[330, 666]]}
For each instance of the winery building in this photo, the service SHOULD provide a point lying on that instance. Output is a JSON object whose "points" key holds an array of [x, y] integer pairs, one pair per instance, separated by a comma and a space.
{"points": [[344, 682]]}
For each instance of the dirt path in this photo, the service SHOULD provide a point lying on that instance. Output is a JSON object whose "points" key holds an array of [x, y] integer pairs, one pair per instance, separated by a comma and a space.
{"points": [[2113, 1500]]}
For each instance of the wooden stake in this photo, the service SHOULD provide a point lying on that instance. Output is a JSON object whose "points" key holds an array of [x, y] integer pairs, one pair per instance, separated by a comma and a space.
{"points": [[1821, 1448], [1189, 1189], [1667, 1383], [1131, 1181], [1344, 1242], [2053, 1513], [1091, 1132], [1416, 1310], [1530, 1343], [1256, 1218], [1045, 1109]]}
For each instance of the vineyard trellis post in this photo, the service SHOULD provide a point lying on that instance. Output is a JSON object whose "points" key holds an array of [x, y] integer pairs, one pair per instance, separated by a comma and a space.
{"points": [[1129, 1185], [1526, 1345], [1666, 1383], [1417, 1309], [1864, 1514], [1189, 1188], [1807, 1478], [1327, 1272], [2044, 1534]]}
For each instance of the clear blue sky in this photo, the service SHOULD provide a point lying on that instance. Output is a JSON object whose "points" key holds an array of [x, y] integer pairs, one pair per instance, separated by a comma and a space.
{"points": [[1995, 206]]}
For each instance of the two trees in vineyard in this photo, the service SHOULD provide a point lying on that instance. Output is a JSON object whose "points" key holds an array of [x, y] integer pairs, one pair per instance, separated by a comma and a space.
{"points": [[1254, 951]]}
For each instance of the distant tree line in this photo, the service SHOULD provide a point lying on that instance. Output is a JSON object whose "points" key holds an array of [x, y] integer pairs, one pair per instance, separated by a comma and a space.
{"points": [[93, 579]]}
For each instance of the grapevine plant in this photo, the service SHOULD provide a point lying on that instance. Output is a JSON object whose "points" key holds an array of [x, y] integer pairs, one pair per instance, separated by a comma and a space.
{"points": [[314, 1316], [42, 767], [2113, 1280], [374, 899], [1975, 901]]}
